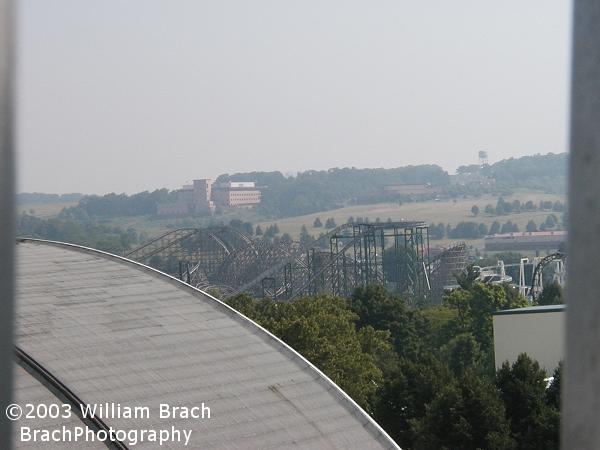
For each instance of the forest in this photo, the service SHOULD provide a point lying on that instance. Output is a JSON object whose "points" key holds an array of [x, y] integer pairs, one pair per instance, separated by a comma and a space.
{"points": [[426, 375]]}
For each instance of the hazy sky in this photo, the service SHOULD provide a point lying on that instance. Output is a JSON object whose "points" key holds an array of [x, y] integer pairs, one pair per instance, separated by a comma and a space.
{"points": [[139, 94]]}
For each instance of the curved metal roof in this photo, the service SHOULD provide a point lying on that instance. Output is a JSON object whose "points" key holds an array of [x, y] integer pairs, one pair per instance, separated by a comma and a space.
{"points": [[116, 331], [28, 389]]}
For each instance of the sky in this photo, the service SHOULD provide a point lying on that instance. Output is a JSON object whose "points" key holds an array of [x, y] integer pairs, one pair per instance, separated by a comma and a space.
{"points": [[132, 95]]}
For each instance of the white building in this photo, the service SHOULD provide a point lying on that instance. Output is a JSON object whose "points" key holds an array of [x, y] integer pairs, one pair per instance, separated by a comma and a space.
{"points": [[538, 331]]}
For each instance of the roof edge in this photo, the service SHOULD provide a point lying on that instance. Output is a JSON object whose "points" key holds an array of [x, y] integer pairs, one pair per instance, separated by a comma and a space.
{"points": [[351, 406], [531, 310]]}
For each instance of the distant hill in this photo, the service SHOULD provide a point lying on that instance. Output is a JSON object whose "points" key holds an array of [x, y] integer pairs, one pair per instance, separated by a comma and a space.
{"points": [[544, 172], [322, 190], [314, 191]]}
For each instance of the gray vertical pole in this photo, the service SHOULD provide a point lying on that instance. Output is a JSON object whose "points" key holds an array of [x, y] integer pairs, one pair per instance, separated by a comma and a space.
{"points": [[581, 406], [7, 241]]}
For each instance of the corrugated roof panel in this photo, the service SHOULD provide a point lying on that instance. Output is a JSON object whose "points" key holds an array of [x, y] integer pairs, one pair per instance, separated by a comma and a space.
{"points": [[28, 390]]}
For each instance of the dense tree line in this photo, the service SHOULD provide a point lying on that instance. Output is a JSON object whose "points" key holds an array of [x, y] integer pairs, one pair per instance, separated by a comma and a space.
{"points": [[110, 239], [517, 206], [426, 375], [118, 205], [471, 230]]}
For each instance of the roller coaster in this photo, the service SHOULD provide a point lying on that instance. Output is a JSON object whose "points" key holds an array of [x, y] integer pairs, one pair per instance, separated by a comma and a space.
{"points": [[224, 259], [533, 287]]}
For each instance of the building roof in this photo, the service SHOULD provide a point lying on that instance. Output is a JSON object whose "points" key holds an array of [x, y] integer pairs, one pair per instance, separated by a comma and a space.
{"points": [[531, 310], [558, 233], [116, 331], [28, 389]]}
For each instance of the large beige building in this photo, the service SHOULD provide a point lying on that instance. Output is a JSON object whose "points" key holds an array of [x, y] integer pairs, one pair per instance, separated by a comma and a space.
{"points": [[538, 331], [236, 194]]}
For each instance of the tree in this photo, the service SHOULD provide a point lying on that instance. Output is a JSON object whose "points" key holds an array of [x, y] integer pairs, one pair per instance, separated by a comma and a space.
{"points": [[553, 391], [321, 328], [437, 231], [552, 294], [551, 221], [376, 308], [475, 210], [531, 226], [306, 240], [271, 231], [495, 227], [522, 386], [509, 227], [475, 307], [247, 228], [236, 224], [502, 207], [489, 209], [466, 414], [286, 239], [483, 229], [317, 223], [258, 231], [462, 352], [350, 220], [465, 230], [407, 393], [330, 223]]}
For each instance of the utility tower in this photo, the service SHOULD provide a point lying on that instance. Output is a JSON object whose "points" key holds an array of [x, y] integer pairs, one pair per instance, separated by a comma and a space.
{"points": [[483, 158]]}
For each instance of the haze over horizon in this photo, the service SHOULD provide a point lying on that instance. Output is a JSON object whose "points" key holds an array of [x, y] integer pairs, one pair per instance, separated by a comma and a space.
{"points": [[132, 96]]}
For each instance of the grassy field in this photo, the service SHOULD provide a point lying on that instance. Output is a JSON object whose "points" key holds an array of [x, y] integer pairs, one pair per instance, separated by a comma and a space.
{"points": [[431, 212]]}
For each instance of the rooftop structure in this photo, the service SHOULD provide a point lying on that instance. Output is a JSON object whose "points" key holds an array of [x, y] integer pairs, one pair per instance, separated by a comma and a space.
{"points": [[537, 331], [112, 330], [530, 240]]}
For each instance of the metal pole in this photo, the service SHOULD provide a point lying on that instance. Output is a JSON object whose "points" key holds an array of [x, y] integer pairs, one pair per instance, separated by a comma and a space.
{"points": [[581, 394], [7, 217]]}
